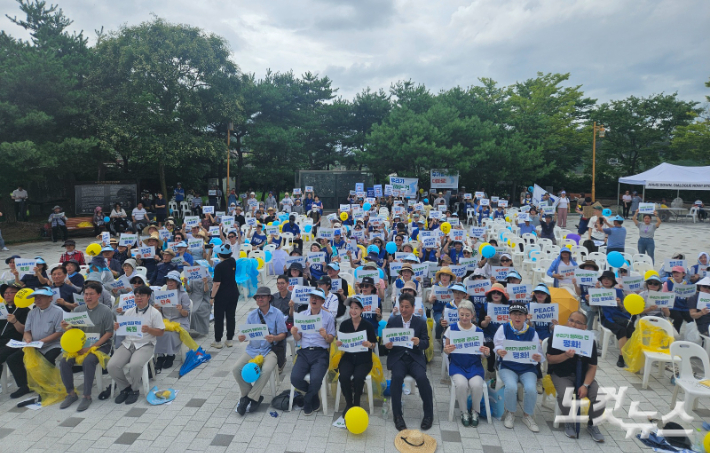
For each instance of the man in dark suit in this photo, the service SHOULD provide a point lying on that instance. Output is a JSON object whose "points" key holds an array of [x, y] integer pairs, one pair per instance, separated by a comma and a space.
{"points": [[402, 361]]}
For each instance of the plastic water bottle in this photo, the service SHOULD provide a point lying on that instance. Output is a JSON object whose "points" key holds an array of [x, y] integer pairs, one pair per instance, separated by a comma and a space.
{"points": [[385, 409], [698, 441]]}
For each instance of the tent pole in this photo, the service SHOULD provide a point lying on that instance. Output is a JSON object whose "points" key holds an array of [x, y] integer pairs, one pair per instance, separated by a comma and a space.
{"points": [[643, 196], [618, 194], [678, 194]]}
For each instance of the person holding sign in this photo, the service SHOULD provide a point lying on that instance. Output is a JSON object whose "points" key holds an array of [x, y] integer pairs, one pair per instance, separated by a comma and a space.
{"points": [[199, 291], [700, 304], [403, 361], [571, 370], [37, 278], [541, 295], [136, 350], [442, 279], [547, 228], [582, 291], [151, 264], [258, 238], [497, 295], [513, 369], [654, 284], [65, 301], [169, 344], [646, 243], [44, 324], [680, 311], [465, 367], [700, 270], [161, 271], [405, 275], [313, 357], [355, 366], [616, 235], [367, 288], [187, 259], [616, 319], [102, 318], [451, 308], [13, 324], [265, 346], [224, 296], [562, 268]]}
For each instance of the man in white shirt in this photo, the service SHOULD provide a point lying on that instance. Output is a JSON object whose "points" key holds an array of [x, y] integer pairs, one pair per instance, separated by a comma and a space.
{"points": [[20, 197], [139, 216], [137, 349]]}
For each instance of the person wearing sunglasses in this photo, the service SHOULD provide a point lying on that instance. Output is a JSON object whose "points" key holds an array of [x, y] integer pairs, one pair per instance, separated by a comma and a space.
{"points": [[654, 284], [700, 312]]}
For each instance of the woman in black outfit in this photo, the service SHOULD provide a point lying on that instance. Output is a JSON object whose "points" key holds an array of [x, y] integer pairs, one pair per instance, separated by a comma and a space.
{"points": [[225, 295], [354, 367]]}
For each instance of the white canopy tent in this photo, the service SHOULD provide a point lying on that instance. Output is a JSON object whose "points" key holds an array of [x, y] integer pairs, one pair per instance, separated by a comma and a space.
{"points": [[669, 176]]}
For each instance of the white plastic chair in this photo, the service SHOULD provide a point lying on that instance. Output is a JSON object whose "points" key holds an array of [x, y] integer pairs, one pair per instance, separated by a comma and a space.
{"points": [[642, 258], [323, 394], [642, 268], [682, 352], [529, 239], [287, 242], [580, 253], [662, 357], [486, 402], [693, 214], [142, 270], [368, 389], [599, 258], [529, 263], [145, 379], [4, 380], [173, 206], [262, 255]]}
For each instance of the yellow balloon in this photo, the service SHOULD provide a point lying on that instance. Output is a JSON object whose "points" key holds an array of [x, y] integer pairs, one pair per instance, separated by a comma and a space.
{"points": [[73, 340], [649, 273], [260, 261], [564, 237], [281, 227], [343, 216], [706, 442], [21, 299], [507, 219], [242, 254], [513, 244], [93, 249], [445, 227], [634, 304], [356, 420], [569, 246], [480, 247]]}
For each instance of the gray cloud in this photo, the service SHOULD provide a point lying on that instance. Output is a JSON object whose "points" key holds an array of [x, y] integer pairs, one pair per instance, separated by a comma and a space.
{"points": [[613, 48]]}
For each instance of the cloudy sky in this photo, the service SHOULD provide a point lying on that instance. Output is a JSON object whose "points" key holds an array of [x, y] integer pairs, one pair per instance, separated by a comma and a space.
{"points": [[614, 48]]}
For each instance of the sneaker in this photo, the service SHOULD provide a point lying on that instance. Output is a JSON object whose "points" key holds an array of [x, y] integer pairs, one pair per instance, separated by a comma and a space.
{"points": [[593, 431], [254, 405], [474, 419], [132, 397], [121, 398], [620, 363], [229, 343], [242, 406], [508, 420], [539, 387], [216, 345], [307, 408], [169, 359], [68, 401], [530, 422], [570, 430], [105, 394], [5, 249], [84, 405], [465, 419]]}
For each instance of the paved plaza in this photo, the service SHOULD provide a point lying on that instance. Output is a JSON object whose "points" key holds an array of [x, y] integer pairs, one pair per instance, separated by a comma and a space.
{"points": [[202, 417]]}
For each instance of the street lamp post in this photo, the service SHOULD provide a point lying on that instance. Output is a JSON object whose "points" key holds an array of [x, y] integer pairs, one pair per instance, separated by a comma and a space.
{"points": [[230, 127], [602, 132]]}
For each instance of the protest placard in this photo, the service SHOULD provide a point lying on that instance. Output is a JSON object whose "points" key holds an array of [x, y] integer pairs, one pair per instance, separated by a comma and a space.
{"points": [[294, 281], [684, 291], [315, 258], [398, 337], [520, 351], [25, 267], [500, 272], [127, 239], [478, 287], [451, 315], [585, 277], [442, 293], [670, 263], [647, 208], [664, 300], [352, 342], [479, 232], [470, 263], [567, 271], [105, 238], [466, 342], [301, 294], [166, 298], [369, 303], [129, 326], [632, 283], [145, 252], [21, 344], [566, 338], [79, 299], [325, 233], [120, 283], [703, 301], [208, 209], [361, 273], [602, 297], [459, 270], [3, 311], [80, 319], [295, 259], [254, 331], [127, 301], [498, 313], [544, 312], [194, 272], [192, 221], [307, 323]]}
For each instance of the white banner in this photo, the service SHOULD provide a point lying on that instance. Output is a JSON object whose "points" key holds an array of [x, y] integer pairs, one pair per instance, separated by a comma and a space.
{"points": [[406, 186], [443, 179]]}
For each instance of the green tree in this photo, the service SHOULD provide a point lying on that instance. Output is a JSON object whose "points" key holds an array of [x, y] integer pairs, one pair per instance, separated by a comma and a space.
{"points": [[159, 90]]}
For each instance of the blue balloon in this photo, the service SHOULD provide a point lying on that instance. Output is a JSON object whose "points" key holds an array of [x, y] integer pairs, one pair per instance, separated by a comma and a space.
{"points": [[606, 212], [247, 241], [531, 189], [307, 228], [426, 200], [107, 219], [391, 247], [267, 255], [366, 207], [615, 259], [251, 372], [488, 251], [380, 326], [373, 249], [534, 259]]}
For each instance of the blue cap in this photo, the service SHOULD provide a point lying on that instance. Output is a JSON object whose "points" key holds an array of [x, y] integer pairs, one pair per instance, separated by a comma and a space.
{"points": [[410, 257], [40, 261], [618, 218], [181, 244], [44, 291], [174, 275], [513, 274], [542, 289], [223, 249], [334, 266], [216, 241], [655, 278], [318, 293], [458, 287], [108, 248]]}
